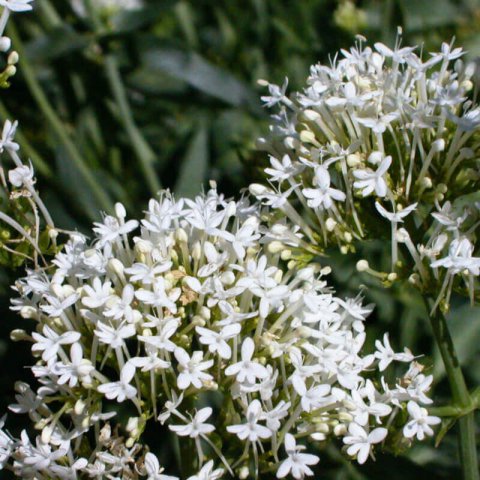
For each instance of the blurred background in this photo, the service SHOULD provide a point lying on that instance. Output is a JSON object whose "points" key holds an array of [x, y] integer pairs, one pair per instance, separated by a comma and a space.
{"points": [[119, 98]]}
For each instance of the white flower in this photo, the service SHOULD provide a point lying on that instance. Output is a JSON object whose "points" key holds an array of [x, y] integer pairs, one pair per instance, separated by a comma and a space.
{"points": [[153, 469], [420, 422], [78, 369], [50, 342], [386, 355], [217, 341], [114, 336], [323, 196], [277, 94], [122, 389], [369, 181], [251, 430], [360, 441], [6, 444], [151, 361], [247, 370], [118, 308], [207, 473], [297, 463], [282, 170], [21, 176], [191, 369], [57, 306], [112, 229], [197, 426], [17, 5], [395, 216], [159, 298], [460, 258], [97, 294]]}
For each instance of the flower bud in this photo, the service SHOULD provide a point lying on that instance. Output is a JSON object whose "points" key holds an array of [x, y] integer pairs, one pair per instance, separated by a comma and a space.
{"points": [[181, 235], [243, 473], [354, 160], [330, 224], [120, 211], [28, 312], [363, 266], [256, 189], [19, 334], [115, 266], [46, 435], [5, 44], [13, 58]]}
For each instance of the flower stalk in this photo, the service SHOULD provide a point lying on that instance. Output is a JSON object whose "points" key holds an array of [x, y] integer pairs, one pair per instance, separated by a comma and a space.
{"points": [[460, 395]]}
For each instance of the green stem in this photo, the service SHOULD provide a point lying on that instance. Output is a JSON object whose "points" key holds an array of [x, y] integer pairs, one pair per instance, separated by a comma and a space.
{"points": [[57, 125], [460, 395], [143, 152], [50, 15]]}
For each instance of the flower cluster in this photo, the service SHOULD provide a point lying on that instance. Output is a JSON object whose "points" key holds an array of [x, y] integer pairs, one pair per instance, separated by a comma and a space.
{"points": [[383, 135], [197, 309]]}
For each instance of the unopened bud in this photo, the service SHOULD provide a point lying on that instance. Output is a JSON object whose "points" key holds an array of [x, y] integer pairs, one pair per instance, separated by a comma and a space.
{"points": [[5, 44], [79, 407], [426, 182], [362, 266], [116, 266], [205, 313], [243, 473], [308, 136], [28, 312], [330, 224], [257, 189], [310, 115], [354, 160], [11, 70], [438, 145], [46, 435], [326, 271], [197, 251], [181, 235], [120, 211], [19, 334], [53, 233], [275, 247]]}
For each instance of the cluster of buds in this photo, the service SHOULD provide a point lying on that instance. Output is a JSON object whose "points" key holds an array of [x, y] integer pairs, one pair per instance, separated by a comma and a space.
{"points": [[189, 308], [380, 136]]}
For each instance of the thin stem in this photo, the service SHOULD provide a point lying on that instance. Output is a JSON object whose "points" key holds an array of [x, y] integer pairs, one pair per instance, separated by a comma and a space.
{"points": [[57, 125], [460, 395], [33, 192], [142, 149]]}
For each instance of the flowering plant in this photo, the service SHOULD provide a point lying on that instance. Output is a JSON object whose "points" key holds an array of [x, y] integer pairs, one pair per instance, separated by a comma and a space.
{"points": [[380, 136], [210, 320], [198, 308]]}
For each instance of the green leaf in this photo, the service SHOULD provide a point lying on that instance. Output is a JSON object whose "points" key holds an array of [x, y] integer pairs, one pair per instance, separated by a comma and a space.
{"points": [[56, 43], [194, 165], [424, 15], [132, 20], [201, 75]]}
